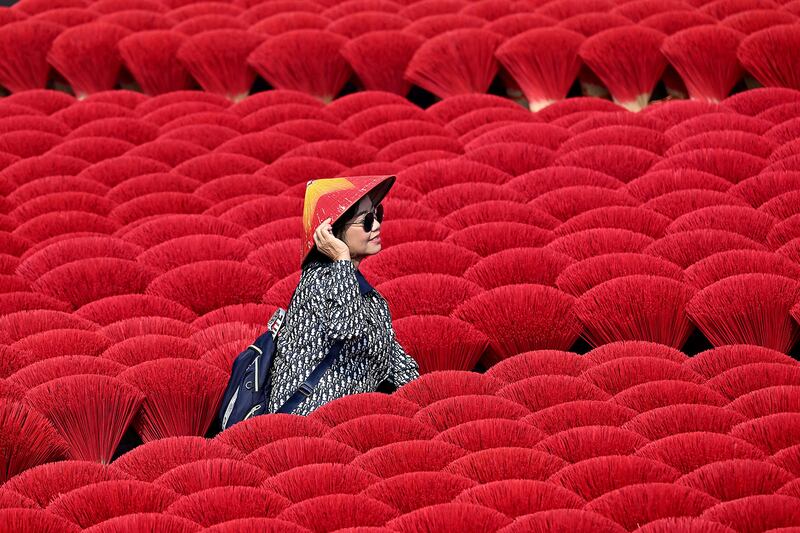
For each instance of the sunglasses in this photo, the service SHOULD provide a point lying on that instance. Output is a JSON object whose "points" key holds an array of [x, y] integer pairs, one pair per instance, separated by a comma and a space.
{"points": [[370, 218]]}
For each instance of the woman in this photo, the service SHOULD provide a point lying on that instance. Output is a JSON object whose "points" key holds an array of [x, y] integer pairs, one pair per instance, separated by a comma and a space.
{"points": [[334, 303]]}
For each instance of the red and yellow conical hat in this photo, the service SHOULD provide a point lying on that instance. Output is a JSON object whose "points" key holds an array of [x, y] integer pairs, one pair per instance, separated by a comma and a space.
{"points": [[330, 198]]}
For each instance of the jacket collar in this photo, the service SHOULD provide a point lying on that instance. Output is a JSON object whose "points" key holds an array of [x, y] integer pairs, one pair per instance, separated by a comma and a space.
{"points": [[363, 285]]}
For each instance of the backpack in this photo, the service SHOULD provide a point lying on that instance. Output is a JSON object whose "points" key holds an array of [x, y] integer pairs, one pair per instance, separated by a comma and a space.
{"points": [[250, 384]]}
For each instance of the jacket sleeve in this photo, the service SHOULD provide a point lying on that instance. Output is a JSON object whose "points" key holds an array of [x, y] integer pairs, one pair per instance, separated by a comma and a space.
{"points": [[337, 299], [404, 368]]}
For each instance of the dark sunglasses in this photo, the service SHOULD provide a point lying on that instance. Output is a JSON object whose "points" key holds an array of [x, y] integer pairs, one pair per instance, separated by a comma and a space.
{"points": [[369, 219]]}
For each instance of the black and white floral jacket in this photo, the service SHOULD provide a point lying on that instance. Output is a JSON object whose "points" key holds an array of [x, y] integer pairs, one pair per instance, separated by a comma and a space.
{"points": [[334, 302]]}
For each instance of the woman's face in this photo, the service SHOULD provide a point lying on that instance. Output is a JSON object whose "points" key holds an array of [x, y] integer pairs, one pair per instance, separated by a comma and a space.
{"points": [[360, 242]]}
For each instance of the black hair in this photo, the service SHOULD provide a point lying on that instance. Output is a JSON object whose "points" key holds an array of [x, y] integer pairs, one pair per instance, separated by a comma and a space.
{"points": [[338, 228]]}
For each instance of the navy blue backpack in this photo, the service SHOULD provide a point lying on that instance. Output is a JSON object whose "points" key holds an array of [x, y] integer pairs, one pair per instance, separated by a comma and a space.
{"points": [[249, 387]]}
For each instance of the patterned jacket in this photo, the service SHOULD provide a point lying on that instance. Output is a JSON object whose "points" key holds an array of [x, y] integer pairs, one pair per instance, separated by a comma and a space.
{"points": [[334, 302]]}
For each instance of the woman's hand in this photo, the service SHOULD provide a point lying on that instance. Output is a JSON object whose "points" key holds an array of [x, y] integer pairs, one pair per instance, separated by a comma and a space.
{"points": [[328, 244]]}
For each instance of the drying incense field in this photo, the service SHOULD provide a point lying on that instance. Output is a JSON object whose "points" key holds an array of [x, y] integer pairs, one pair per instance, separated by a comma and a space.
{"points": [[592, 251]]}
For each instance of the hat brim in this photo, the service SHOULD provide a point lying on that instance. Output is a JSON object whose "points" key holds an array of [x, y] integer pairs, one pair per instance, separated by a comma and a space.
{"points": [[379, 192]]}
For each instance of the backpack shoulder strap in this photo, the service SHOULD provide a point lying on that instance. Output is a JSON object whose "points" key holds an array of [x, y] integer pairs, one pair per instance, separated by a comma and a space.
{"points": [[307, 387], [276, 321]]}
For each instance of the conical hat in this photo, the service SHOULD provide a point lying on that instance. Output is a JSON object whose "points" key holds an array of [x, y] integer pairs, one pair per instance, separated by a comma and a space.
{"points": [[330, 198]]}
